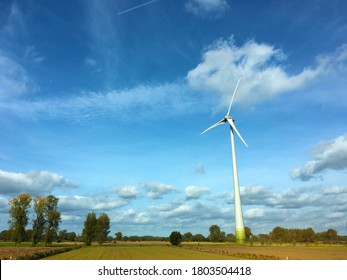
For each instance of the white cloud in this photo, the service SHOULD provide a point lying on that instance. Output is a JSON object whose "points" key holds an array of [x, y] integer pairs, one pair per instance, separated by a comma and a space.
{"points": [[194, 192], [326, 155], [72, 218], [15, 23], [293, 198], [259, 65], [254, 213], [131, 217], [336, 215], [272, 208], [78, 203], [335, 190], [180, 215], [32, 182], [145, 101], [207, 8], [157, 190], [257, 194], [14, 80], [90, 61], [127, 192], [33, 55]]}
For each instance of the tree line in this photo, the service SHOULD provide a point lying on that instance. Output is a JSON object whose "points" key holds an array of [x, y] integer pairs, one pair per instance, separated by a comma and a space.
{"points": [[46, 220]]}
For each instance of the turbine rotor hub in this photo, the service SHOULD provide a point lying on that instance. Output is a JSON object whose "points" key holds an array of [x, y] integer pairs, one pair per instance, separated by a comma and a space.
{"points": [[229, 117]]}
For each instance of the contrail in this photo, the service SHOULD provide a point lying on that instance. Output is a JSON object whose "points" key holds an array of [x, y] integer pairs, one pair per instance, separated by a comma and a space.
{"points": [[136, 7]]}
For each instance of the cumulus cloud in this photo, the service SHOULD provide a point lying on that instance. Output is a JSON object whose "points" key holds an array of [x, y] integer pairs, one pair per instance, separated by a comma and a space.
{"points": [[181, 214], [198, 210], [130, 216], [325, 155], [207, 8], [257, 194], [78, 203], [260, 216], [335, 190], [127, 192], [272, 208], [293, 198], [194, 192], [259, 64], [32, 182], [255, 213], [158, 190]]}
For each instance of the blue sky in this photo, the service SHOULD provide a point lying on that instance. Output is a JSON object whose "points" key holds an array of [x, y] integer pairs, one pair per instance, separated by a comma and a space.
{"points": [[102, 104]]}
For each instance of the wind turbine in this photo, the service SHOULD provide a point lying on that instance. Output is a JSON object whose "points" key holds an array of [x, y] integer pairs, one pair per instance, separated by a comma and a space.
{"points": [[239, 227]]}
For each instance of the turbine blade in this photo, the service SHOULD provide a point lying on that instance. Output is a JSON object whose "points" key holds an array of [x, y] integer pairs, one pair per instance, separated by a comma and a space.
{"points": [[223, 121], [233, 96], [231, 122]]}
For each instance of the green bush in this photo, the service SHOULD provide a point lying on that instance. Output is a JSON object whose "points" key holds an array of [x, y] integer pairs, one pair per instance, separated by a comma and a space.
{"points": [[175, 238]]}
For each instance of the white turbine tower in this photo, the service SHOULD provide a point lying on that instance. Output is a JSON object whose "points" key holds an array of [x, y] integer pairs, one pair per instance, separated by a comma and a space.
{"points": [[239, 227]]}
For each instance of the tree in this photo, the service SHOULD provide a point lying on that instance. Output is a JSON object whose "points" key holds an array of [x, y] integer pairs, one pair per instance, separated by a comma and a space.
{"points": [[230, 237], [62, 235], [308, 235], [198, 237], [216, 235], [89, 229], [119, 236], [248, 233], [6, 235], [278, 235], [19, 216], [39, 221], [53, 219], [102, 228], [331, 235], [264, 239], [134, 238], [175, 238], [187, 237], [71, 236]]}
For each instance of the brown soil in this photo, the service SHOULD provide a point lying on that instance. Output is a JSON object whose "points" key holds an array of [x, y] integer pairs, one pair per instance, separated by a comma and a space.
{"points": [[334, 252]]}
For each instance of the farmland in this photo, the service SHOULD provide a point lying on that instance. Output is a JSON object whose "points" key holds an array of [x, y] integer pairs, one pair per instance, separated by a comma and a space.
{"points": [[138, 253], [162, 251], [207, 251]]}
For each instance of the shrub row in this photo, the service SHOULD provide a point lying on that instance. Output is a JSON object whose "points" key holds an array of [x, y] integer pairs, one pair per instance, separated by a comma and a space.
{"points": [[41, 255]]}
